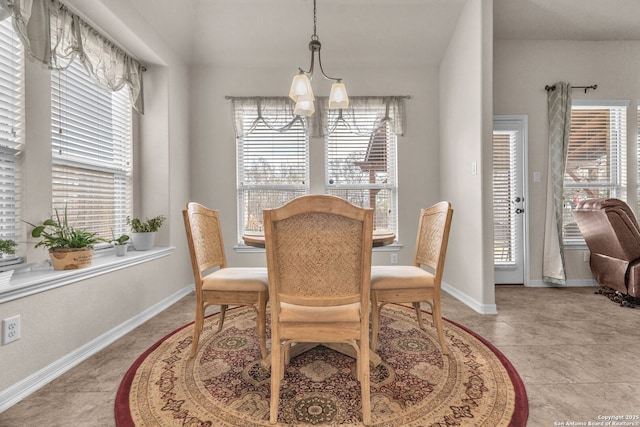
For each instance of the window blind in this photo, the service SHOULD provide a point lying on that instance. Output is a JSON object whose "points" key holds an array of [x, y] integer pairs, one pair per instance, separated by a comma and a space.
{"points": [[504, 217], [273, 165], [362, 169], [596, 163], [11, 127], [92, 152]]}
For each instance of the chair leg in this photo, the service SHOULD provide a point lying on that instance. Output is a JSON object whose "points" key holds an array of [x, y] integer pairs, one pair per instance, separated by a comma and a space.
{"points": [[416, 306], [223, 311], [437, 320], [375, 326], [197, 328], [262, 325], [276, 374], [365, 385]]}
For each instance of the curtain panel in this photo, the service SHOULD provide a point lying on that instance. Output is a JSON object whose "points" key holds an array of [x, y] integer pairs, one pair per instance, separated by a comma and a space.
{"points": [[54, 36], [277, 114], [559, 112]]}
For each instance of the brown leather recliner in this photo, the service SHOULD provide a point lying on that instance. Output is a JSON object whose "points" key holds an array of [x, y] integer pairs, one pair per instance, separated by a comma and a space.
{"points": [[613, 236]]}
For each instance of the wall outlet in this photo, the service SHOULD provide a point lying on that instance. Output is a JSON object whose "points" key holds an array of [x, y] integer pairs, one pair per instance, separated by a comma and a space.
{"points": [[585, 256], [394, 258], [10, 329]]}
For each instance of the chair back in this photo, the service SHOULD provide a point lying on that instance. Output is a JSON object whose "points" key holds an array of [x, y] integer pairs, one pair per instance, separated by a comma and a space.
{"points": [[318, 251], [204, 235], [433, 237]]}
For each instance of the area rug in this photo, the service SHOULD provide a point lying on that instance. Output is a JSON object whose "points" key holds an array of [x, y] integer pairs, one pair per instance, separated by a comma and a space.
{"points": [[224, 385]]}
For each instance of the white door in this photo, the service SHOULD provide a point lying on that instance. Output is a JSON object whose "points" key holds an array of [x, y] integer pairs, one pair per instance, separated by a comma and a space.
{"points": [[509, 196]]}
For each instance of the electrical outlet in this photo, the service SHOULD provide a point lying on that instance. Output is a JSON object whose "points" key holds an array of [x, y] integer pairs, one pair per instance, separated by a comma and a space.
{"points": [[586, 255], [10, 329], [394, 258]]}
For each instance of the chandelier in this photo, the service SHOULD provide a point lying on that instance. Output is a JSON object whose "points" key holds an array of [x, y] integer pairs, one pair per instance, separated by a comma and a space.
{"points": [[301, 91]]}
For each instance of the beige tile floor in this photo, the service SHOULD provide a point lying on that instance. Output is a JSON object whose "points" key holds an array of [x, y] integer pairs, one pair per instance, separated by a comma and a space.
{"points": [[577, 352]]}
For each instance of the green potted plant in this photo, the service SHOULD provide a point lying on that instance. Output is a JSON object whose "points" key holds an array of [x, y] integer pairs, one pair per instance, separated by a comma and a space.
{"points": [[120, 244], [69, 248], [7, 250], [7, 247], [143, 233]]}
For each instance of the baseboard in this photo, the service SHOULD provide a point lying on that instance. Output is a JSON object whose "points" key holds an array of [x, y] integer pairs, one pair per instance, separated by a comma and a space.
{"points": [[32, 383], [475, 305], [569, 283]]}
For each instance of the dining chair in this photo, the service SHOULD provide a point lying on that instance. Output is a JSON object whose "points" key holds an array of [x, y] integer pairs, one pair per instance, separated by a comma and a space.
{"points": [[215, 282], [412, 283], [319, 263]]}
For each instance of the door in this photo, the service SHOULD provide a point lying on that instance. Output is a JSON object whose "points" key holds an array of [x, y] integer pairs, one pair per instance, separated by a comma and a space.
{"points": [[509, 196]]}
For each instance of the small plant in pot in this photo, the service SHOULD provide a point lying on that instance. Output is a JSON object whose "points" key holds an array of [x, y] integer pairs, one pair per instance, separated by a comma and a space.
{"points": [[69, 248], [143, 233], [7, 248], [120, 244]]}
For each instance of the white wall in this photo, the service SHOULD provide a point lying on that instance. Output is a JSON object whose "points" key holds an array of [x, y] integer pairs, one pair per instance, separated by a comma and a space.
{"points": [[213, 155], [465, 138], [58, 322], [521, 71]]}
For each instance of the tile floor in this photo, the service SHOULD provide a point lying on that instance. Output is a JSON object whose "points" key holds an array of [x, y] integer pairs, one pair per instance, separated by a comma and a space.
{"points": [[577, 352]]}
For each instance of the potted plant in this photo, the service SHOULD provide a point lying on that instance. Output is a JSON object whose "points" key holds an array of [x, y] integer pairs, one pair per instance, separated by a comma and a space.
{"points": [[69, 248], [7, 250], [143, 233], [7, 247], [120, 244]]}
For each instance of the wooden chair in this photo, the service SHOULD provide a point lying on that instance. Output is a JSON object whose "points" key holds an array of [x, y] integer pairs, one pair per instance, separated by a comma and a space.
{"points": [[226, 285], [413, 284], [319, 262]]}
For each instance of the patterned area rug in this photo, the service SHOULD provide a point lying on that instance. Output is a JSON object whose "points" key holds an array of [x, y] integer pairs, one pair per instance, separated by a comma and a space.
{"points": [[415, 385]]}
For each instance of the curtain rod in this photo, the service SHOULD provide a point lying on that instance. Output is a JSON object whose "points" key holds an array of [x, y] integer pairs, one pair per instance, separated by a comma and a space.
{"points": [[586, 88], [251, 97]]}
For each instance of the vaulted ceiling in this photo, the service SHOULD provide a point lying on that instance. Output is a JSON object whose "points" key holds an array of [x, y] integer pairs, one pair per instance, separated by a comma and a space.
{"points": [[377, 32]]}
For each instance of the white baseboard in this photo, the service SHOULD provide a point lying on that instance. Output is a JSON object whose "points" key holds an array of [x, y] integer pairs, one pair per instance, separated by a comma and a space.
{"points": [[479, 307], [35, 381]]}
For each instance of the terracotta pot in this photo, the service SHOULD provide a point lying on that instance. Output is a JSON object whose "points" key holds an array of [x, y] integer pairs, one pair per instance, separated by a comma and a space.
{"points": [[71, 258]]}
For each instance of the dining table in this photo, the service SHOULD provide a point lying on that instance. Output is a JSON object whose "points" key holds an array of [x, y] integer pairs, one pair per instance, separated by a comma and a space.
{"points": [[380, 238]]}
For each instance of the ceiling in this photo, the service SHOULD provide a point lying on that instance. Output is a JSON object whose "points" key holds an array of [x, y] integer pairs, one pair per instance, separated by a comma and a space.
{"points": [[370, 32]]}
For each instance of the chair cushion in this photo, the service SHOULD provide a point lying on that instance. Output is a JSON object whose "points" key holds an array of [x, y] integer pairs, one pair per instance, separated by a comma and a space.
{"points": [[245, 279], [400, 277], [336, 313]]}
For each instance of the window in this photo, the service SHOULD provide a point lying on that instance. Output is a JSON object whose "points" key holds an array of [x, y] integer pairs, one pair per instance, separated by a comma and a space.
{"points": [[361, 168], [273, 159], [360, 155], [11, 128], [91, 148], [596, 158]]}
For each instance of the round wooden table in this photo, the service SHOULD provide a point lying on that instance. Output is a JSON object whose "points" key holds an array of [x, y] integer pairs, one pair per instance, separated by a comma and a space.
{"points": [[380, 238]]}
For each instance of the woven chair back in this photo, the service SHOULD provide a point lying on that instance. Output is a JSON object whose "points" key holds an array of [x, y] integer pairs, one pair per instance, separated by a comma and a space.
{"points": [[433, 236], [204, 234], [316, 253]]}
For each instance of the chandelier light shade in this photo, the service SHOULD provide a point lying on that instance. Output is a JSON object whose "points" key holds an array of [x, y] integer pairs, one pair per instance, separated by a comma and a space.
{"points": [[301, 91]]}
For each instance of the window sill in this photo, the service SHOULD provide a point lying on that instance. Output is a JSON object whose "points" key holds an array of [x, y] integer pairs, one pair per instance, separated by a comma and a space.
{"points": [[29, 279]]}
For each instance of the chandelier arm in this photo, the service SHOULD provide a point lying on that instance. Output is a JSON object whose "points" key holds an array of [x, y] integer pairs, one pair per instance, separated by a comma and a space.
{"points": [[337, 79]]}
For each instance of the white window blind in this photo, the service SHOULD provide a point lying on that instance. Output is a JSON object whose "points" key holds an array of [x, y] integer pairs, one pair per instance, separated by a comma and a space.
{"points": [[504, 217], [273, 164], [91, 148], [11, 127], [596, 159], [362, 169]]}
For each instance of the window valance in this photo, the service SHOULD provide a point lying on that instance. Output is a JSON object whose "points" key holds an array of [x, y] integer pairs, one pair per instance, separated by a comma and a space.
{"points": [[54, 36], [277, 114]]}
